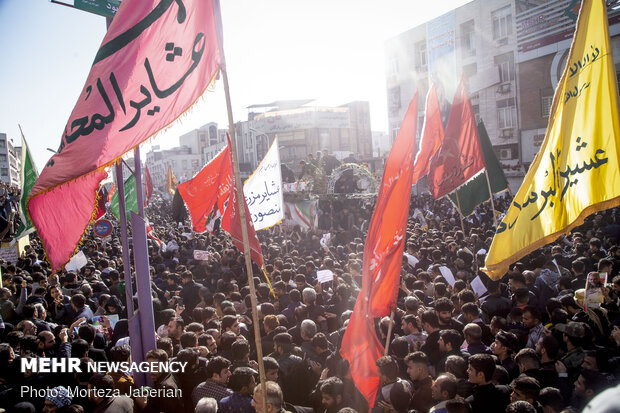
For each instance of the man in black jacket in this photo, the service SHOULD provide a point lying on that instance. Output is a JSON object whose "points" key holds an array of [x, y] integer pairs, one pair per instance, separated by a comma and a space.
{"points": [[430, 324], [190, 293], [487, 396], [293, 370], [496, 304]]}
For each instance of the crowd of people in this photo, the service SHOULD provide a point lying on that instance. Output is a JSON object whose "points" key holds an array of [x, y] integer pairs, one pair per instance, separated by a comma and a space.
{"points": [[531, 343]]}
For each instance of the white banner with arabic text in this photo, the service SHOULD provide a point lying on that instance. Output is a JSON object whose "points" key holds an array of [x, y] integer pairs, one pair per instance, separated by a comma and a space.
{"points": [[263, 190]]}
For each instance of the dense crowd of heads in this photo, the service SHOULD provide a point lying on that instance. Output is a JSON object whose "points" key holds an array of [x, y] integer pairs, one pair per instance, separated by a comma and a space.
{"points": [[532, 342]]}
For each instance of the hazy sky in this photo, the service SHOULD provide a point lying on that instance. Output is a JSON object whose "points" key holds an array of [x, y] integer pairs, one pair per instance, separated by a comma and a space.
{"points": [[328, 50]]}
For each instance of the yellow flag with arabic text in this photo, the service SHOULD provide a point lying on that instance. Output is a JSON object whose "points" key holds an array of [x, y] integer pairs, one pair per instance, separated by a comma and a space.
{"points": [[171, 181], [576, 172]]}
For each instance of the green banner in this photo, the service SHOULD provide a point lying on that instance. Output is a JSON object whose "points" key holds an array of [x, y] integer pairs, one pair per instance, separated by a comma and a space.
{"points": [[106, 8], [28, 177], [476, 191], [131, 199]]}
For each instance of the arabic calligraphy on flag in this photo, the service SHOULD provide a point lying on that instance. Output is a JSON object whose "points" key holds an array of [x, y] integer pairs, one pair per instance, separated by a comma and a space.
{"points": [[576, 171], [263, 190], [156, 60]]}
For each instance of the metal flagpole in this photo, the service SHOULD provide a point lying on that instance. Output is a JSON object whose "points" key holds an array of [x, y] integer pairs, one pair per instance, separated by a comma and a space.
{"points": [[389, 333], [141, 264], [138, 174], [135, 336], [120, 187], [491, 196]]}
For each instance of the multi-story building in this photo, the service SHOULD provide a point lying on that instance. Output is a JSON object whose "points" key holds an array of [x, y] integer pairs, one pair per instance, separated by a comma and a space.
{"points": [[183, 162], [544, 34], [381, 144], [10, 161], [203, 140], [511, 53], [303, 130]]}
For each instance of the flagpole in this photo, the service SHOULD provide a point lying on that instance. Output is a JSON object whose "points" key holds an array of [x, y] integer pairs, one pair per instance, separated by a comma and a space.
{"points": [[138, 174], [491, 196], [458, 204], [120, 187], [246, 242], [389, 333]]}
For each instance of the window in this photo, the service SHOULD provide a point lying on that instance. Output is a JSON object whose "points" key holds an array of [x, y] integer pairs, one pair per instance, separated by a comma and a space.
{"points": [[212, 135], [394, 99], [506, 114], [502, 23], [203, 137], [476, 110], [468, 38], [2, 158], [506, 65], [421, 52], [4, 171], [394, 66], [545, 105]]}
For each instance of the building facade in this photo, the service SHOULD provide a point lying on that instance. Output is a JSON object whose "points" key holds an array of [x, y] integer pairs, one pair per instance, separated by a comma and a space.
{"points": [[304, 130], [204, 141], [10, 161], [544, 35], [183, 162], [381, 144], [507, 50]]}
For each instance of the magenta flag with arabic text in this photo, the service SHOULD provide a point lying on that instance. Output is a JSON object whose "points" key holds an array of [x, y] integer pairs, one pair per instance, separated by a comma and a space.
{"points": [[156, 60]]}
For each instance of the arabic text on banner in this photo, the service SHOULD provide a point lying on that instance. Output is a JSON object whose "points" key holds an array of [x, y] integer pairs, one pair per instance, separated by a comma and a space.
{"points": [[263, 190], [576, 171], [155, 61]]}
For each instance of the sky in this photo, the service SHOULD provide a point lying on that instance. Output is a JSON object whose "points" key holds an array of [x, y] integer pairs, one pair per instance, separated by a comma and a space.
{"points": [[328, 50]]}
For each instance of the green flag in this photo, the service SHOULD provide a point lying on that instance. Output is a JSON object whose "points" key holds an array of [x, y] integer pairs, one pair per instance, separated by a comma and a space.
{"points": [[476, 191], [131, 199], [28, 177]]}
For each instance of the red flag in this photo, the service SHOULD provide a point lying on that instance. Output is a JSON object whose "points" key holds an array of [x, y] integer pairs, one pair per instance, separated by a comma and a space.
{"points": [[231, 221], [383, 255], [148, 185], [210, 186], [432, 136], [460, 156], [101, 200], [111, 192]]}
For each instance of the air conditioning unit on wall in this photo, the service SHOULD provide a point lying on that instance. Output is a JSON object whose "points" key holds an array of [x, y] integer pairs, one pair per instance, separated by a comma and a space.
{"points": [[505, 154]]}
